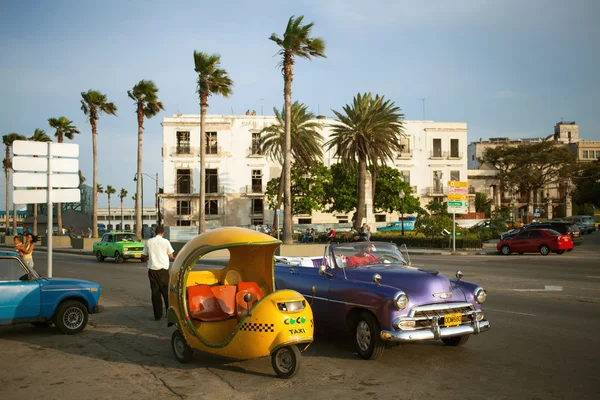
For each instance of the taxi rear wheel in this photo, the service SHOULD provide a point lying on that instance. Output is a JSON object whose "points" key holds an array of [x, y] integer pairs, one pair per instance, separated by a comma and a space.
{"points": [[118, 258], [99, 256], [366, 337], [181, 350], [286, 361]]}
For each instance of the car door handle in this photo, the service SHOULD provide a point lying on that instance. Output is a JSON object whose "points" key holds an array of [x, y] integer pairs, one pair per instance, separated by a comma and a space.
{"points": [[293, 271]]}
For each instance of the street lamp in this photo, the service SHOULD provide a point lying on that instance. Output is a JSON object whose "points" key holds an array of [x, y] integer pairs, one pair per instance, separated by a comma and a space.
{"points": [[156, 195], [402, 194]]}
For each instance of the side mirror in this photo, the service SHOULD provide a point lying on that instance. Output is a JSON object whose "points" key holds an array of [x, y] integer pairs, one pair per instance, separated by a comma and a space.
{"points": [[459, 274], [322, 269]]}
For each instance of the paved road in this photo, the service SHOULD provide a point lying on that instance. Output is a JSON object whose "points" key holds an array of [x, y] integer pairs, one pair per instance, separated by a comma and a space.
{"points": [[545, 314]]}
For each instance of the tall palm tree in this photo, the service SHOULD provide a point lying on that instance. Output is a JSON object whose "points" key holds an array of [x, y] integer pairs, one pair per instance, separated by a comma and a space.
{"points": [[8, 142], [122, 195], [64, 129], [369, 131], [109, 190], [306, 146], [99, 190], [145, 97], [296, 42], [94, 103], [39, 136], [212, 79]]}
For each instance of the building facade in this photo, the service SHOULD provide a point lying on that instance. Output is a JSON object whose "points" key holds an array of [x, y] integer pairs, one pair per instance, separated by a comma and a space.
{"points": [[237, 173], [115, 220]]}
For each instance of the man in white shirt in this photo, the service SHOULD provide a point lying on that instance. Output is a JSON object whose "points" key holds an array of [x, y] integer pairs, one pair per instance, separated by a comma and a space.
{"points": [[159, 252]]}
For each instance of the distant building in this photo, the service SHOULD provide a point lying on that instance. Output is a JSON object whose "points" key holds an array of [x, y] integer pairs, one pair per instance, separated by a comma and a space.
{"points": [[114, 222]]}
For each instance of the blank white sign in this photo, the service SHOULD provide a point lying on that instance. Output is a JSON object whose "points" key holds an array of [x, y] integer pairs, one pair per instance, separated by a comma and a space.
{"points": [[40, 180], [41, 196], [40, 164], [31, 148]]}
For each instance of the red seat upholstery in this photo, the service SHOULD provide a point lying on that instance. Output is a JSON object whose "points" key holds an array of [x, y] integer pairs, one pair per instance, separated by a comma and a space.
{"points": [[243, 288], [225, 294], [203, 305]]}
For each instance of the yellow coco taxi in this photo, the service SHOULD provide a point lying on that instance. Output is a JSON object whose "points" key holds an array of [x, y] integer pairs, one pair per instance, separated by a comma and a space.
{"points": [[236, 312]]}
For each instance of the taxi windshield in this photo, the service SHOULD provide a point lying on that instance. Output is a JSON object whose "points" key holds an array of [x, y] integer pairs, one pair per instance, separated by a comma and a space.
{"points": [[367, 253], [126, 237]]}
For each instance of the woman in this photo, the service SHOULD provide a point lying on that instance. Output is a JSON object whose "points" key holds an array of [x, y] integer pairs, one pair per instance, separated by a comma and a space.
{"points": [[27, 249]]}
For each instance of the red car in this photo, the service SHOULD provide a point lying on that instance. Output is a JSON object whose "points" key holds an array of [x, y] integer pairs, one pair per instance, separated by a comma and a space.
{"points": [[534, 240]]}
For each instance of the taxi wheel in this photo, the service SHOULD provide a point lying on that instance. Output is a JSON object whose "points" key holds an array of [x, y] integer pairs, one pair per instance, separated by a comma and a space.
{"points": [[181, 350], [456, 340], [286, 361], [366, 337], [118, 258], [99, 256]]}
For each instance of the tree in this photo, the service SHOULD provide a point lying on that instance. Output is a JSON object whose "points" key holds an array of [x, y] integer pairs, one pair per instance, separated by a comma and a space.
{"points": [[296, 42], [342, 193], [122, 195], [109, 190], [145, 97], [39, 136], [587, 187], [433, 225], [306, 148], [93, 104], [7, 162], [212, 79], [483, 204], [369, 131], [393, 194], [437, 208], [64, 129]]}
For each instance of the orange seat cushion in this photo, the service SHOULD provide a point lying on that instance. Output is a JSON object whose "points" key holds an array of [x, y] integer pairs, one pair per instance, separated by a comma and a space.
{"points": [[203, 305], [243, 288], [225, 294]]}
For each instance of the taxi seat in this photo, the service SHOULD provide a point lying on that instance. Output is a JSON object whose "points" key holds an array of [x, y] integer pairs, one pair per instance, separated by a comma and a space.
{"points": [[243, 288], [203, 305], [225, 295]]}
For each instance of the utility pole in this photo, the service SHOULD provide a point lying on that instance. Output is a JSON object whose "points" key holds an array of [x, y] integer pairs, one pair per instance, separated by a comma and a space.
{"points": [[423, 100]]}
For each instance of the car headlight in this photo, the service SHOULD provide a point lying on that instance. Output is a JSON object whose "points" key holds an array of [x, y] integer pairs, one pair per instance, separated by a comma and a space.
{"points": [[480, 295], [401, 300]]}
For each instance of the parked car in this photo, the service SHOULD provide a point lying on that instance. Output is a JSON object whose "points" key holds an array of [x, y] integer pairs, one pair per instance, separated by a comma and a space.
{"points": [[121, 246], [585, 223], [543, 241], [26, 297], [562, 227], [370, 290], [409, 225]]}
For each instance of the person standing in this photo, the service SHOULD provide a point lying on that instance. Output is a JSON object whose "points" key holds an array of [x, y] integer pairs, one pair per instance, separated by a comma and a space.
{"points": [[159, 251], [89, 233], [27, 249]]}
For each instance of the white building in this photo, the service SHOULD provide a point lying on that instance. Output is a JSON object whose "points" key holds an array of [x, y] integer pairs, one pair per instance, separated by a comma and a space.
{"points": [[128, 217], [237, 174]]}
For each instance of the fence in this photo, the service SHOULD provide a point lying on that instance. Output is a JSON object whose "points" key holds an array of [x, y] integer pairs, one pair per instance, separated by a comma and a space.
{"points": [[436, 243]]}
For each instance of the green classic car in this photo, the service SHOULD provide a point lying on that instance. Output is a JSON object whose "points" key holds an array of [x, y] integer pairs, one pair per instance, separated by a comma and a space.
{"points": [[120, 245]]}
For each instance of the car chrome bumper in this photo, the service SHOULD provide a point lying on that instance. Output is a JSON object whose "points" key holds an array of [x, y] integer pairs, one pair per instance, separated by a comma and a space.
{"points": [[97, 309], [436, 332]]}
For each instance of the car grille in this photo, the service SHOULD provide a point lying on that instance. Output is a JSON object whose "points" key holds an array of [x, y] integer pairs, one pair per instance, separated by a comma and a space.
{"points": [[424, 314], [428, 314]]}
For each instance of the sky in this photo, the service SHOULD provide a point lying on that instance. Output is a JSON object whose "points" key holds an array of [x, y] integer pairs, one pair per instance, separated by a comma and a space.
{"points": [[509, 68]]}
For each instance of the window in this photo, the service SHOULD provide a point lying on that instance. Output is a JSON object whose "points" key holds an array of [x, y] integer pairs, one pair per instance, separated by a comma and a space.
{"points": [[183, 143], [342, 219], [211, 143], [184, 207], [184, 223], [127, 217], [109, 238], [405, 176], [256, 181], [304, 221], [437, 148], [437, 181], [404, 145], [473, 157], [455, 175], [256, 207], [184, 181], [211, 207], [535, 234], [105, 238], [255, 149], [11, 269], [522, 235], [598, 154], [127, 227], [454, 148], [257, 221], [379, 217], [211, 183], [585, 154]]}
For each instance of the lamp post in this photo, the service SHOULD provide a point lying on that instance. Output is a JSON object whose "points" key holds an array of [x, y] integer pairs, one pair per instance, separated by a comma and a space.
{"points": [[155, 195], [402, 209]]}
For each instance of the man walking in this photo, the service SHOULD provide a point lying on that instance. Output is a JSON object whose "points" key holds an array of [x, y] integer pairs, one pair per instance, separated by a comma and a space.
{"points": [[159, 251]]}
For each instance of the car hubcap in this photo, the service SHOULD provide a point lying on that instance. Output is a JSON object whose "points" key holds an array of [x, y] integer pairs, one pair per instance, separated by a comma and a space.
{"points": [[285, 360], [73, 318], [98, 255], [363, 335], [505, 250], [544, 250], [117, 257], [179, 347]]}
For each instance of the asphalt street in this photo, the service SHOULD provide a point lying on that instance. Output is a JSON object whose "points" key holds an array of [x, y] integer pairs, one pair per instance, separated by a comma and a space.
{"points": [[544, 311]]}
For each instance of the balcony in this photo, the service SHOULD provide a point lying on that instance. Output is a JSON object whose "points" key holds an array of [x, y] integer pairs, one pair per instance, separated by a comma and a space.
{"points": [[255, 152], [436, 190], [215, 190], [455, 156], [257, 212], [437, 155], [213, 151], [405, 154], [257, 190], [182, 151]]}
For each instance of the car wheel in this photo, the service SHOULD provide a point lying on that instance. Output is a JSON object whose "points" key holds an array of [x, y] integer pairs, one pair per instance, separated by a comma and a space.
{"points": [[366, 337], [505, 250], [286, 361], [456, 340], [99, 256], [71, 317], [559, 251], [544, 250], [118, 258], [181, 350]]}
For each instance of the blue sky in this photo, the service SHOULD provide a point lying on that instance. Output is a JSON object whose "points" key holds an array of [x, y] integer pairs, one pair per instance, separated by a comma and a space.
{"points": [[506, 67]]}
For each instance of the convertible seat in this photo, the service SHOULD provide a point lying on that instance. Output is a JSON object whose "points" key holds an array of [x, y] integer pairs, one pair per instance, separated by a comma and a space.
{"points": [[203, 305], [243, 288], [225, 294]]}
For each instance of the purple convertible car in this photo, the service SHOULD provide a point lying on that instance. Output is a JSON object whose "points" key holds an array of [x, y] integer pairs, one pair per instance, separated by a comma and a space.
{"points": [[370, 289]]}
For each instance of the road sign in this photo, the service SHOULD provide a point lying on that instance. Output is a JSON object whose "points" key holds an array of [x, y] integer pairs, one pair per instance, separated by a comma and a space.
{"points": [[458, 190], [31, 179], [30, 148], [40, 196], [536, 212], [458, 197], [458, 204], [40, 164], [458, 184]]}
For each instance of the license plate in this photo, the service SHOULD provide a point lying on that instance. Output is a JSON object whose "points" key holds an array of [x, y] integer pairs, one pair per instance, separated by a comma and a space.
{"points": [[137, 255], [452, 319]]}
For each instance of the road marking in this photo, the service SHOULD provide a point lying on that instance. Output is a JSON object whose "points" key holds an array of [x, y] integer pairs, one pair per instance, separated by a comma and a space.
{"points": [[509, 312], [546, 288], [594, 277]]}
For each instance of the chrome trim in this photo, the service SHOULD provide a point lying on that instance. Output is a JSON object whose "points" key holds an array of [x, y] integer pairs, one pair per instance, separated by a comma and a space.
{"points": [[338, 301], [62, 290], [440, 307], [436, 332], [397, 321]]}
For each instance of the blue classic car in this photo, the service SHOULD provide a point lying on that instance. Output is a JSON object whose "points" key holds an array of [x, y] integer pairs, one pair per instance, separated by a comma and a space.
{"points": [[26, 297], [370, 289]]}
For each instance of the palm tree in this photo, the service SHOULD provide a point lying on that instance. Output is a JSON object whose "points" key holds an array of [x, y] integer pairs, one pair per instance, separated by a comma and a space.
{"points": [[64, 129], [145, 97], [212, 79], [369, 130], [99, 190], [93, 104], [122, 195], [109, 190], [306, 141], [39, 136], [8, 142], [296, 42]]}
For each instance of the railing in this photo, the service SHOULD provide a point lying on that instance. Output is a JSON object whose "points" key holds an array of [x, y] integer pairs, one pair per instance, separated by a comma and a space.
{"points": [[255, 189], [219, 191], [255, 152], [256, 212], [405, 154], [439, 155], [213, 151], [455, 156], [436, 190], [183, 151]]}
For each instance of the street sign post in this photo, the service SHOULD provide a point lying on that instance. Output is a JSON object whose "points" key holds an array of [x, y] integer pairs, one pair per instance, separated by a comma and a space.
{"points": [[43, 178], [458, 203]]}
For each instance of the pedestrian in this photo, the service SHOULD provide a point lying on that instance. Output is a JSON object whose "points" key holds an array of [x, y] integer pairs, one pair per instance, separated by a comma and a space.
{"points": [[364, 233], [18, 245], [89, 233], [368, 233], [27, 249], [159, 251]]}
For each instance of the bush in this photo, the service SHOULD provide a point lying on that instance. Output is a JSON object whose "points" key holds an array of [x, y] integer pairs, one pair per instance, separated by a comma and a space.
{"points": [[436, 242]]}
